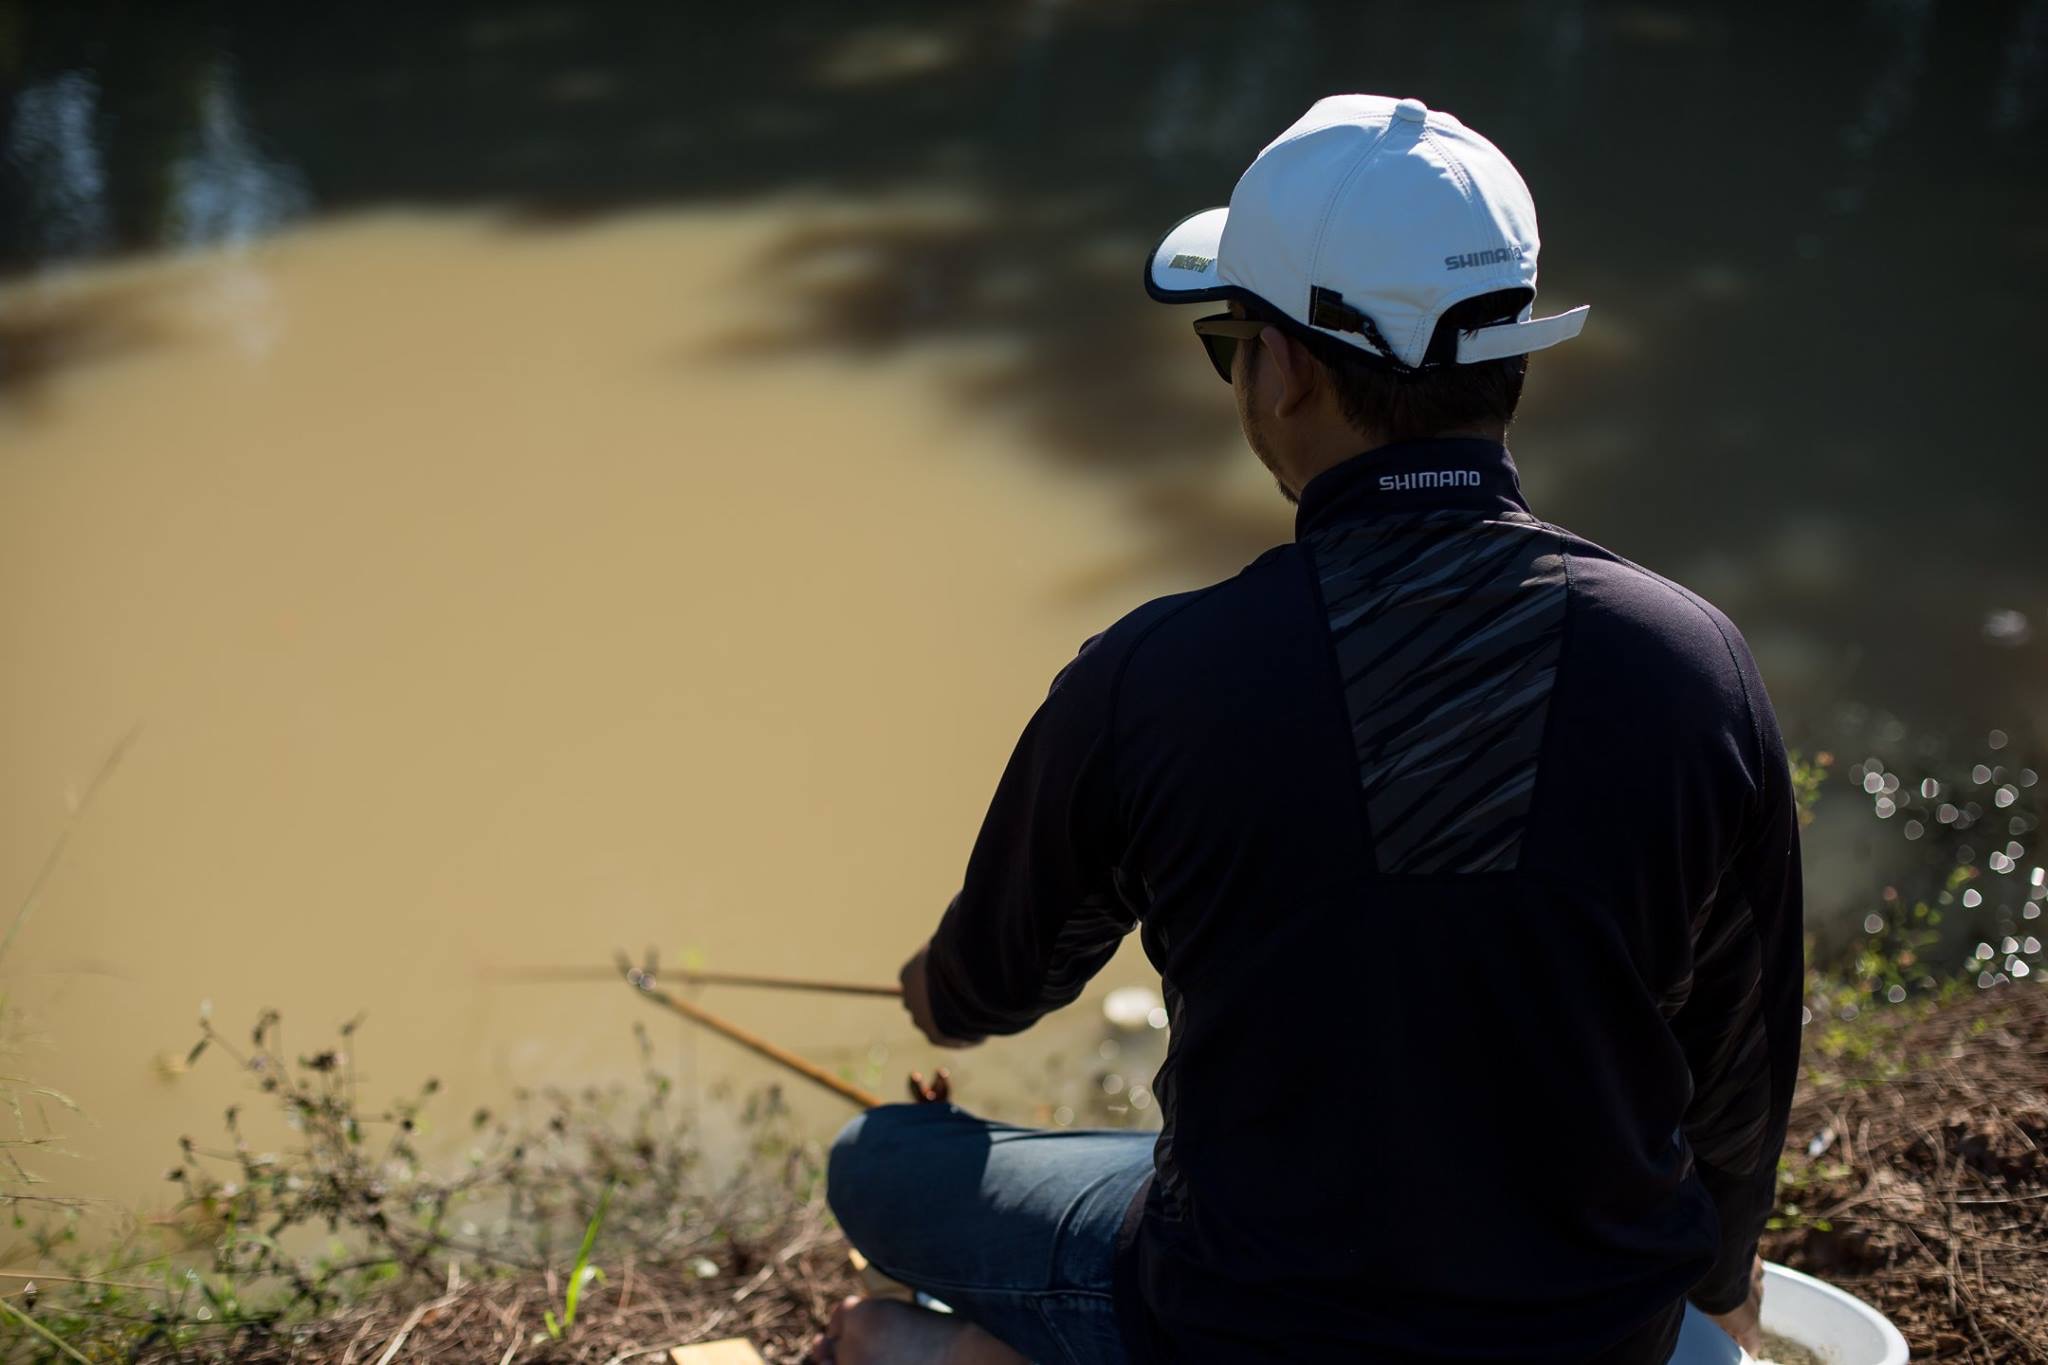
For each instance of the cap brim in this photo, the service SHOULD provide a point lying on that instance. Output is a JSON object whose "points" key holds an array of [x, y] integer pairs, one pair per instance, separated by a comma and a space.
{"points": [[1182, 268]]}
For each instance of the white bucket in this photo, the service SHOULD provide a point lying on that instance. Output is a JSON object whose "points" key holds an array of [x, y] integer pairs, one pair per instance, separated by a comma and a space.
{"points": [[1839, 1328]]}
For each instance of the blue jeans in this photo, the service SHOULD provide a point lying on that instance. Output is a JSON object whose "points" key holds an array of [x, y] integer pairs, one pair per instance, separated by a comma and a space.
{"points": [[1013, 1228], [1016, 1229]]}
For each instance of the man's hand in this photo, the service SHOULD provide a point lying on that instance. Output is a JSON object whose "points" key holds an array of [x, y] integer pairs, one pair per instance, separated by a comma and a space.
{"points": [[936, 1091], [917, 998], [1744, 1322]]}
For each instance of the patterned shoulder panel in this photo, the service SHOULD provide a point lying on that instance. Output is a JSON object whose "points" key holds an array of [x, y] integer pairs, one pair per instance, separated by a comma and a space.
{"points": [[1447, 629]]}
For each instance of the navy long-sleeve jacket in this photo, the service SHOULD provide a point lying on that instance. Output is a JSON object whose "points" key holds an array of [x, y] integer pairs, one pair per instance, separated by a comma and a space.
{"points": [[1468, 855]]}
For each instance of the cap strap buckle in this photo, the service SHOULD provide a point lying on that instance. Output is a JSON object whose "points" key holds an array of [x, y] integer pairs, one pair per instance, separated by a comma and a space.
{"points": [[1326, 308]]}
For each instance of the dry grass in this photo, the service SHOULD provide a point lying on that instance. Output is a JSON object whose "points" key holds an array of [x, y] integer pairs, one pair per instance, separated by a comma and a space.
{"points": [[775, 1292], [1916, 1176]]}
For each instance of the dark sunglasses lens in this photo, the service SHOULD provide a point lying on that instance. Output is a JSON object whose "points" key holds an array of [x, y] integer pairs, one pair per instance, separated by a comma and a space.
{"points": [[1222, 350]]}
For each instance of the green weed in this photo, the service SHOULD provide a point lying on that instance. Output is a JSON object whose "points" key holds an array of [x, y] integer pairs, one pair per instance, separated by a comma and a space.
{"points": [[582, 1273]]}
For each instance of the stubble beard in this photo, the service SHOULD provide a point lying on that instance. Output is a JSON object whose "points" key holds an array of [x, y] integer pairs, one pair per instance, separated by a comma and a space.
{"points": [[1255, 437]]}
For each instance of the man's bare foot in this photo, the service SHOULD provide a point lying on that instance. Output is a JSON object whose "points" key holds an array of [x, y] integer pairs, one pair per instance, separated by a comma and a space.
{"points": [[889, 1332]]}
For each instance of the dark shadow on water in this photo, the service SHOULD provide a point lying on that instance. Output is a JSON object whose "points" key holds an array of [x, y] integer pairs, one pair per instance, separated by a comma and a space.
{"points": [[1056, 350], [1812, 237], [40, 338]]}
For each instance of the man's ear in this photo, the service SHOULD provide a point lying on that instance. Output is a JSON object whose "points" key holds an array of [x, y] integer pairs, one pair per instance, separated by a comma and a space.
{"points": [[1294, 366]]}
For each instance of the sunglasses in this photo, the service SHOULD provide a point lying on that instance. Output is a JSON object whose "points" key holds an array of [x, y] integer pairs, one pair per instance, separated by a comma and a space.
{"points": [[1220, 333]]}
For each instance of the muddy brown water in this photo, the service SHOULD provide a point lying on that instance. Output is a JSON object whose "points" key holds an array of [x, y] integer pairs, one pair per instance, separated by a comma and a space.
{"points": [[505, 631]]}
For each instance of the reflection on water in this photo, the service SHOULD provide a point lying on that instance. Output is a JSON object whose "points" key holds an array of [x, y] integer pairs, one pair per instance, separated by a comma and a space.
{"points": [[1796, 393], [53, 151], [223, 189], [623, 473]]}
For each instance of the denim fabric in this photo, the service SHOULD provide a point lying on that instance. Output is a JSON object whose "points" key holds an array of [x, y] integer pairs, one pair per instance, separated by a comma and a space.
{"points": [[1013, 1228]]}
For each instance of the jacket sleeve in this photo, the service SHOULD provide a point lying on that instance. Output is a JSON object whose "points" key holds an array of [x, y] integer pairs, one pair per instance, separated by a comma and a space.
{"points": [[1740, 1026], [1038, 913]]}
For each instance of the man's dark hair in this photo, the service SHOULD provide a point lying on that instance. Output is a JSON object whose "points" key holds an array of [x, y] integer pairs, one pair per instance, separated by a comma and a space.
{"points": [[1405, 405]]}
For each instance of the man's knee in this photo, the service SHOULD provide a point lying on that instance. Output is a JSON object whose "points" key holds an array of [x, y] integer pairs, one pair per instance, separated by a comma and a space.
{"points": [[842, 1167], [871, 1174], [855, 1180]]}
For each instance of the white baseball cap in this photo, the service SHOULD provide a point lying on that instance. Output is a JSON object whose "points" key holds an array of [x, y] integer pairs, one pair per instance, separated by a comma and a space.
{"points": [[1365, 221]]}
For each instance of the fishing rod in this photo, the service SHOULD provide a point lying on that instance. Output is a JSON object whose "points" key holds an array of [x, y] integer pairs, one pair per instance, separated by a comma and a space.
{"points": [[753, 1042], [696, 978], [646, 981], [643, 981]]}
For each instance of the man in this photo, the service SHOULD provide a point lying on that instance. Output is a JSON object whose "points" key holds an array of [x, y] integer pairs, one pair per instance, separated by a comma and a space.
{"points": [[1466, 850]]}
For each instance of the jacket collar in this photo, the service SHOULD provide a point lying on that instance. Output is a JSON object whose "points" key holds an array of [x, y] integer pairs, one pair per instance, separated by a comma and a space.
{"points": [[1413, 476]]}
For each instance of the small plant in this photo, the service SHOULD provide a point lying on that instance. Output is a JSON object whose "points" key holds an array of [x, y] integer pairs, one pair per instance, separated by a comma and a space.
{"points": [[1964, 891], [583, 1272], [18, 1095], [266, 1245], [9, 1311], [1807, 776]]}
